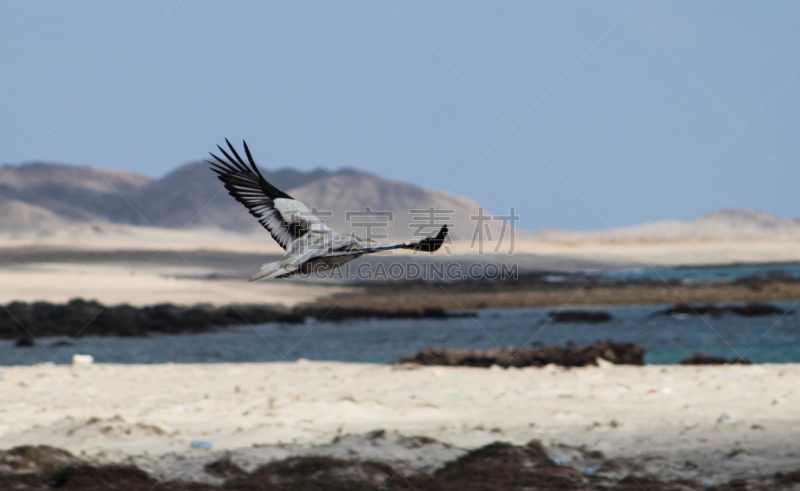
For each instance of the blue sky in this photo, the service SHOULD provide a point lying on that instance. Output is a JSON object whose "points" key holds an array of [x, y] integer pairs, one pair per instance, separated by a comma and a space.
{"points": [[581, 115]]}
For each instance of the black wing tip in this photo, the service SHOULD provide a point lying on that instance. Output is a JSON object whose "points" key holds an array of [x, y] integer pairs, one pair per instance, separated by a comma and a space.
{"points": [[233, 164], [432, 244], [235, 160], [233, 149], [251, 159], [221, 166]]}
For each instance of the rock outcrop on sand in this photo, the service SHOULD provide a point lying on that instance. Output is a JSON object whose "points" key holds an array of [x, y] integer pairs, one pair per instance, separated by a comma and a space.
{"points": [[569, 356]]}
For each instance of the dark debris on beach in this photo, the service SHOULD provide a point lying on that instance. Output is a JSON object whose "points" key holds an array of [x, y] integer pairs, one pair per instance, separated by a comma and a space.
{"points": [[700, 358], [566, 356], [498, 465]]}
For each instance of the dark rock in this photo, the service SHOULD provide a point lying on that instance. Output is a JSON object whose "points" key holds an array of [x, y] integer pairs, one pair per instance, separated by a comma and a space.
{"points": [[44, 467], [25, 342], [434, 313], [569, 356], [337, 314], [788, 478], [580, 316], [700, 358], [506, 464], [711, 310], [756, 310], [81, 318], [316, 473], [376, 434], [105, 477], [758, 281], [224, 468], [33, 459], [498, 465], [687, 309]]}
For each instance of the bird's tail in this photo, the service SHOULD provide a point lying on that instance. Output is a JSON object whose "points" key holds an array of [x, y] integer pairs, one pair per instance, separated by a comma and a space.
{"points": [[271, 270]]}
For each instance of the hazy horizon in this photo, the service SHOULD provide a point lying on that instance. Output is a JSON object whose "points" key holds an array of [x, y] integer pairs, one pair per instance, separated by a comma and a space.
{"points": [[582, 116]]}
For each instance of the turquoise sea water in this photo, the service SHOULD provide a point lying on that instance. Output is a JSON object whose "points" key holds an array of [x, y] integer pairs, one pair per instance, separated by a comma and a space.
{"points": [[772, 339]]}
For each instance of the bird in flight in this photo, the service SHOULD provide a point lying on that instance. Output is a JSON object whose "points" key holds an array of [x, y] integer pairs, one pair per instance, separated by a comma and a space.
{"points": [[309, 244]]}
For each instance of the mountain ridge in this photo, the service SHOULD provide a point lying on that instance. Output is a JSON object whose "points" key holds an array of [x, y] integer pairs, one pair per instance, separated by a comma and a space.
{"points": [[191, 196], [41, 197]]}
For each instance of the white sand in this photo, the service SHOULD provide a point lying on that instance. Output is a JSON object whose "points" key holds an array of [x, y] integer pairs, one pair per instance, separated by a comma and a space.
{"points": [[677, 412], [669, 251], [117, 284]]}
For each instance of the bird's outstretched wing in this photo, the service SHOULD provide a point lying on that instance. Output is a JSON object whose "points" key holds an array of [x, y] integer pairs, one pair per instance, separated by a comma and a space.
{"points": [[286, 218], [428, 244]]}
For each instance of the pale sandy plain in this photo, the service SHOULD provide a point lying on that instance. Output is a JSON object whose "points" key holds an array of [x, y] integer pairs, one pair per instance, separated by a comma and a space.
{"points": [[185, 282], [726, 421]]}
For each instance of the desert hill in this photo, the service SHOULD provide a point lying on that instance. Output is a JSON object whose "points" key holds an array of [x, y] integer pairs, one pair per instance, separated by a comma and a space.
{"points": [[191, 196], [74, 192], [728, 222], [18, 217], [352, 191], [45, 199], [41, 197]]}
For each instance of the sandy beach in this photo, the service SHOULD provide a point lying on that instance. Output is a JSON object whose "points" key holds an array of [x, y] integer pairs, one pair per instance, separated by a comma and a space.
{"points": [[726, 420], [120, 284], [708, 424]]}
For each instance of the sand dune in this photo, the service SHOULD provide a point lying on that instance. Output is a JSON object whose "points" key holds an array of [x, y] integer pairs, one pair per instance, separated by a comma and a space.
{"points": [[137, 286]]}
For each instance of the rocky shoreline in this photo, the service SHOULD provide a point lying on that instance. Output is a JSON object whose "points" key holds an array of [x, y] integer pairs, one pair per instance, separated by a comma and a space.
{"points": [[538, 290], [27, 322]]}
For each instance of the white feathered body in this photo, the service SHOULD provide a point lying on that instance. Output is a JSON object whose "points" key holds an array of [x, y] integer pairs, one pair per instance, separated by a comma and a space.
{"points": [[310, 245], [312, 252]]}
